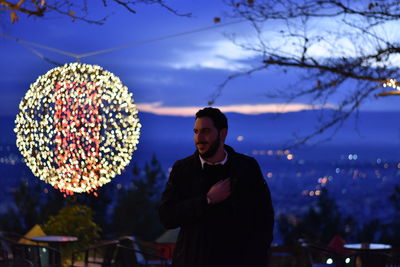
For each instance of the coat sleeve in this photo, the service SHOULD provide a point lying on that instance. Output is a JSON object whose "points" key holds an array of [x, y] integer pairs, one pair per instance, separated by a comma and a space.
{"points": [[262, 215], [176, 211]]}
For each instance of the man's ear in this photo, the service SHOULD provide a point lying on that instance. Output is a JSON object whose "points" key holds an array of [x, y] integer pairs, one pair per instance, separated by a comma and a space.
{"points": [[222, 134]]}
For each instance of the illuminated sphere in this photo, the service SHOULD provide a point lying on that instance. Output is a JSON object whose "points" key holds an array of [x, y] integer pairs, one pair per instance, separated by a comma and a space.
{"points": [[77, 127]]}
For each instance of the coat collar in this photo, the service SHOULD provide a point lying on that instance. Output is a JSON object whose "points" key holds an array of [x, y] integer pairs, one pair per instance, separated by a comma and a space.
{"points": [[229, 150], [222, 162]]}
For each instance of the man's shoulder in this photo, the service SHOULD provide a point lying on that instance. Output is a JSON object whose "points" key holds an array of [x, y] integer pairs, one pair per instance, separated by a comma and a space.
{"points": [[189, 160], [236, 156], [185, 167], [242, 156]]}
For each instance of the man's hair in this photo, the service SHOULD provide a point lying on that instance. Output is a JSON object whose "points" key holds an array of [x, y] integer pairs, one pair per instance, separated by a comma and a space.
{"points": [[218, 118]]}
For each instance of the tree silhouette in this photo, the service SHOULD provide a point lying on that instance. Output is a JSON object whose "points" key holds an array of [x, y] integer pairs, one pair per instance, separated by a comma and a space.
{"points": [[391, 233], [346, 49], [26, 208], [33, 202], [77, 10], [319, 224], [395, 198], [136, 210], [134, 213]]}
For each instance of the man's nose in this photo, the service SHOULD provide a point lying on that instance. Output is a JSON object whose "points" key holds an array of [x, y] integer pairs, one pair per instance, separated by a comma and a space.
{"points": [[199, 137]]}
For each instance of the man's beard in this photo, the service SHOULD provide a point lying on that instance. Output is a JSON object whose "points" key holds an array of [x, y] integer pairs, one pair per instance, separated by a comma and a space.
{"points": [[212, 150]]}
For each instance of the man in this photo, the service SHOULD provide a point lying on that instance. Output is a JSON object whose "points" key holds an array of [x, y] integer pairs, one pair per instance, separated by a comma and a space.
{"points": [[220, 201]]}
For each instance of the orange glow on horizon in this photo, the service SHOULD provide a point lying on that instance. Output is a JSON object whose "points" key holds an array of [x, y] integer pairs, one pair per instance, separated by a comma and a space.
{"points": [[159, 109]]}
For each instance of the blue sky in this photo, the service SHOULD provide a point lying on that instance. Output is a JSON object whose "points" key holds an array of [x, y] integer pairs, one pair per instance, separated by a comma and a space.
{"points": [[164, 75]]}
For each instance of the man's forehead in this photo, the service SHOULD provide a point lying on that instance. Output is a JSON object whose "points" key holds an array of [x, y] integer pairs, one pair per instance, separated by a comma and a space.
{"points": [[203, 122]]}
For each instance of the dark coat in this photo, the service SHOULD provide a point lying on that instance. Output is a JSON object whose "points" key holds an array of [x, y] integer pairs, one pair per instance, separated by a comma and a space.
{"points": [[235, 232]]}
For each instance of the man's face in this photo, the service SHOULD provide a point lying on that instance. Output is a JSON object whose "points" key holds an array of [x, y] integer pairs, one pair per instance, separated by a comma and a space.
{"points": [[206, 137]]}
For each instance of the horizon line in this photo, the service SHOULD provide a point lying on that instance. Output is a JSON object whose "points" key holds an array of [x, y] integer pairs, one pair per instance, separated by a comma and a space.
{"points": [[246, 109]]}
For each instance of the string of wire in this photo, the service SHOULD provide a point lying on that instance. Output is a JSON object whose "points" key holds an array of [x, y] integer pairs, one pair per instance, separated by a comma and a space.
{"points": [[29, 45]]}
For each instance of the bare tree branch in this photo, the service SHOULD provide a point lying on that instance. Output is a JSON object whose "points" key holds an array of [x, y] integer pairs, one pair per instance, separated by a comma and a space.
{"points": [[36, 11], [345, 47], [77, 10]]}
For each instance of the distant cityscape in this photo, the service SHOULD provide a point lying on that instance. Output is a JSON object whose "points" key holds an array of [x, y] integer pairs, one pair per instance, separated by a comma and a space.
{"points": [[360, 178]]}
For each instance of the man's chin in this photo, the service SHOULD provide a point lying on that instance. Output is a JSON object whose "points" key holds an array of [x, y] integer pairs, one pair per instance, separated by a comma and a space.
{"points": [[207, 154], [208, 150], [203, 153]]}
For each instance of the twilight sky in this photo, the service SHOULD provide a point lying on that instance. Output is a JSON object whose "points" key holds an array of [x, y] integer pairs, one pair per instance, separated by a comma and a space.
{"points": [[172, 76]]}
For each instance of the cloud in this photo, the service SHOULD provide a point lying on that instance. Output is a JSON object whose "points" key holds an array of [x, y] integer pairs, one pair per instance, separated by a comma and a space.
{"points": [[157, 108], [156, 79], [222, 54]]}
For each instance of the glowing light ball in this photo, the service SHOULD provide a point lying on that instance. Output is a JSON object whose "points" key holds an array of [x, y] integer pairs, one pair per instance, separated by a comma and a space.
{"points": [[77, 127]]}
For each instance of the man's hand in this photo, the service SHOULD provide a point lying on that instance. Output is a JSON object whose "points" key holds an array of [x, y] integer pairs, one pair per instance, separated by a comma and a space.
{"points": [[219, 192]]}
